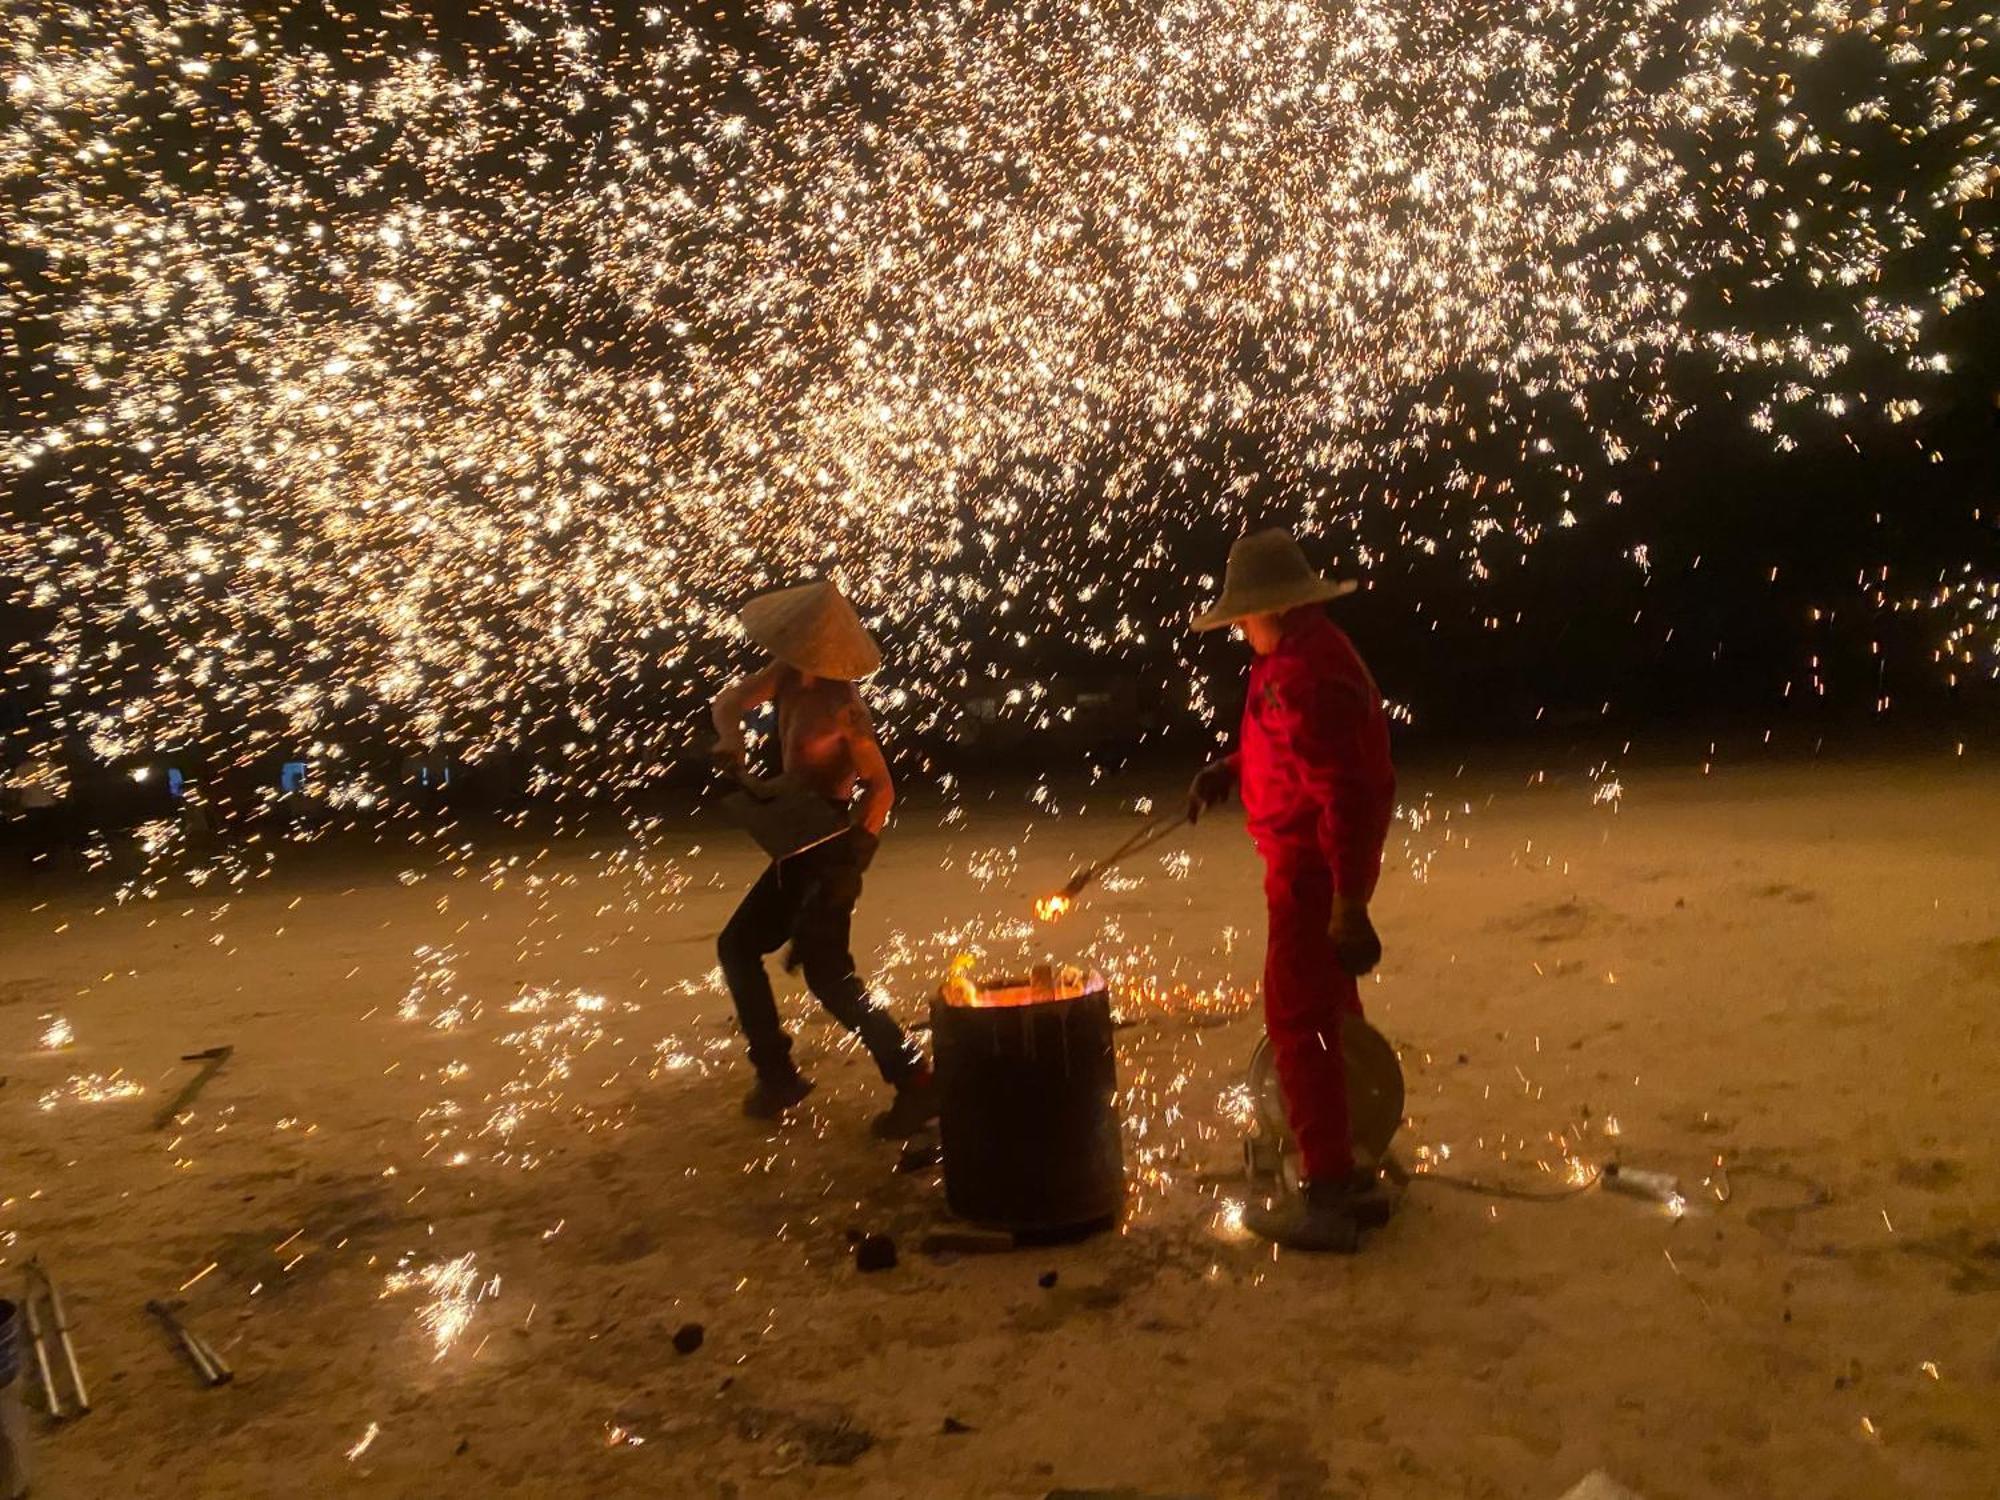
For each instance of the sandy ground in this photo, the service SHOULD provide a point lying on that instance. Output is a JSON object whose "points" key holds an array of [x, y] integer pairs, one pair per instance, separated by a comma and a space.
{"points": [[1789, 971]]}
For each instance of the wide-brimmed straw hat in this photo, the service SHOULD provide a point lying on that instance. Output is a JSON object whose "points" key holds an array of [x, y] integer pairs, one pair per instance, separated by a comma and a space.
{"points": [[1268, 574], [813, 628]]}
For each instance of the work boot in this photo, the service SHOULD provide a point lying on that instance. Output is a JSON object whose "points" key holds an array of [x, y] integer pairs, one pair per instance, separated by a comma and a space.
{"points": [[916, 1106], [776, 1090], [1325, 1216], [1368, 1198]]}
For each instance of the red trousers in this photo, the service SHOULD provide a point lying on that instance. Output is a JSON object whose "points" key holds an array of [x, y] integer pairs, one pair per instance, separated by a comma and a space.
{"points": [[1306, 994]]}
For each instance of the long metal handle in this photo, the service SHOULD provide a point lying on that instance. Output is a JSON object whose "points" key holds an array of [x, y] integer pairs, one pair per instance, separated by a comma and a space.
{"points": [[219, 1371], [68, 1347], [49, 1392], [186, 1339], [1145, 838]]}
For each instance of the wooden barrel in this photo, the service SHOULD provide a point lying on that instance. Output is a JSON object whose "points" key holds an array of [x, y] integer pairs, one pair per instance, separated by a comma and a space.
{"points": [[1028, 1121]]}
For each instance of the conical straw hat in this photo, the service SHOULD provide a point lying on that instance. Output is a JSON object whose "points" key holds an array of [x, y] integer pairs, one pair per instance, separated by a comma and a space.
{"points": [[1268, 574], [813, 628]]}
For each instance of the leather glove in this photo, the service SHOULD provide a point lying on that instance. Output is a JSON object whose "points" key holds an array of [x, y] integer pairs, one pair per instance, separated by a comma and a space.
{"points": [[1356, 948], [1212, 784]]}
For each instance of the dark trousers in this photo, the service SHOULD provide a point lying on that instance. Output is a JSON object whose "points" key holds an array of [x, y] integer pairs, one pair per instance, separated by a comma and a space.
{"points": [[808, 901]]}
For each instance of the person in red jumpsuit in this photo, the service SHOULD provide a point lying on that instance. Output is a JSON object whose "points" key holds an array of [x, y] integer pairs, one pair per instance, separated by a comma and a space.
{"points": [[1312, 764]]}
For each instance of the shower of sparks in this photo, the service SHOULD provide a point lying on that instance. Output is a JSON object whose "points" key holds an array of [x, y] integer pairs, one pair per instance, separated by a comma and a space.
{"points": [[57, 1034], [91, 1088], [454, 1288], [1237, 1105], [408, 383], [559, 1028], [1228, 1221]]}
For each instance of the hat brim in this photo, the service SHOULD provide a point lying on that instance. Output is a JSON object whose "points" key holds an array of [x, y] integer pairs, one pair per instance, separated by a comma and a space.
{"points": [[846, 655], [1240, 606]]}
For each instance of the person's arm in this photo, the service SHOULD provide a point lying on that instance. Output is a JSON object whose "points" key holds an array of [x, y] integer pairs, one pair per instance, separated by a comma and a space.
{"points": [[732, 705], [1330, 718], [871, 769]]}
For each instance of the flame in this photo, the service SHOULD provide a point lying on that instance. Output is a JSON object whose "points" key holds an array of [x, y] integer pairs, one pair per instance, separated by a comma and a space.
{"points": [[958, 986], [1050, 908]]}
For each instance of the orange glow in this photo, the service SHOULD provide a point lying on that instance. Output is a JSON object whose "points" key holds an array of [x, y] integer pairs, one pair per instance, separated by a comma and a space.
{"points": [[1049, 908], [958, 988], [1044, 983]]}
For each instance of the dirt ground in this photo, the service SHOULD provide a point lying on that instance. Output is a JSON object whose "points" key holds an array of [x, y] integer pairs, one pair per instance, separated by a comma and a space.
{"points": [[1778, 983]]}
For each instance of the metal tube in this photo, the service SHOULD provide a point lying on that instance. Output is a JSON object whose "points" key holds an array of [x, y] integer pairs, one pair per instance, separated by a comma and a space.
{"points": [[221, 1374], [81, 1391], [49, 1392], [186, 1340]]}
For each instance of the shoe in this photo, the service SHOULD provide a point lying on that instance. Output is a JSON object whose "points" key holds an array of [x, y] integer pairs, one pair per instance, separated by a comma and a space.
{"points": [[1326, 1217], [916, 1106], [1368, 1198], [774, 1093]]}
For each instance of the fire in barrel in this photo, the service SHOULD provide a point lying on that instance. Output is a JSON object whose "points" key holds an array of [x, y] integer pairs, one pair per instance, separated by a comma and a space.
{"points": [[1028, 1084]]}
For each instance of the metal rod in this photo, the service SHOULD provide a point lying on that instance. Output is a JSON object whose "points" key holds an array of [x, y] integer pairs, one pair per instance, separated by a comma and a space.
{"points": [[211, 1062], [49, 1392], [81, 1391], [1145, 838], [223, 1374], [186, 1339]]}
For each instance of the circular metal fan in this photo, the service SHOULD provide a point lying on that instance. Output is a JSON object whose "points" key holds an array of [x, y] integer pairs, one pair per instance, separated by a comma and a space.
{"points": [[1374, 1091]]}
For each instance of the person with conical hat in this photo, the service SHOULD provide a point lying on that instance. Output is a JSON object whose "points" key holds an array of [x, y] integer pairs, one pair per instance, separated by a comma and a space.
{"points": [[1312, 764], [817, 649]]}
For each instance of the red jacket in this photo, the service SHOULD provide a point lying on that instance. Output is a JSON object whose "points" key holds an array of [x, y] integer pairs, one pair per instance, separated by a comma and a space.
{"points": [[1313, 756]]}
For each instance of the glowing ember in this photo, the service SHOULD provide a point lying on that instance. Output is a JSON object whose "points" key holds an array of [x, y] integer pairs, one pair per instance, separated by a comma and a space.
{"points": [[1050, 908], [58, 1034], [1046, 983]]}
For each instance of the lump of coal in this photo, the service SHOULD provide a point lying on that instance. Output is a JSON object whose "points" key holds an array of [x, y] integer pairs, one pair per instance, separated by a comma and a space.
{"points": [[874, 1252], [688, 1337], [1046, 1279]]}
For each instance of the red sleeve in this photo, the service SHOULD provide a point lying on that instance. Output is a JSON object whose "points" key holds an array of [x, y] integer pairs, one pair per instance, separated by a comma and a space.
{"points": [[1333, 726]]}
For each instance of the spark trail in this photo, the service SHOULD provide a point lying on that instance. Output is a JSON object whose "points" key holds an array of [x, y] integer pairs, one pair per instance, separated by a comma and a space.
{"points": [[431, 382]]}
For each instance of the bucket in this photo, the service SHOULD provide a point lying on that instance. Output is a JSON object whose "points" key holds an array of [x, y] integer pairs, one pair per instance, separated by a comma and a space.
{"points": [[13, 1416], [1027, 1094]]}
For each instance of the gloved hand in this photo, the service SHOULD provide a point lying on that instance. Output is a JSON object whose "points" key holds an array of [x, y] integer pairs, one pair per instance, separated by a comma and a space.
{"points": [[865, 844], [1356, 948], [1212, 784]]}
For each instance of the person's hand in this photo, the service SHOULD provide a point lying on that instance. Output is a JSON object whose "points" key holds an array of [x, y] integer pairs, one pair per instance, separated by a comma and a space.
{"points": [[865, 844], [1212, 784], [731, 758], [1356, 948]]}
